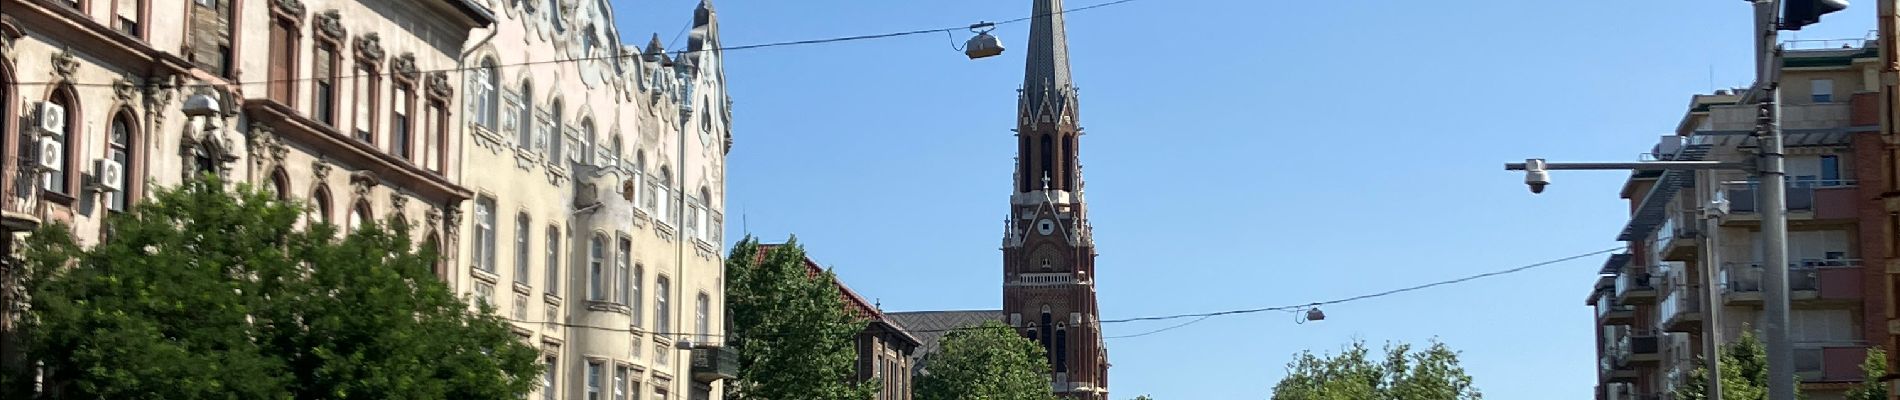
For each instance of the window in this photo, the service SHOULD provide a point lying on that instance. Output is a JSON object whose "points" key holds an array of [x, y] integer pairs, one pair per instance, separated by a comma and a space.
{"points": [[279, 185], [554, 261], [613, 151], [324, 80], [597, 251], [485, 294], [662, 317], [57, 180], [437, 145], [1062, 349], [552, 369], [1047, 321], [487, 96], [702, 323], [633, 385], [1048, 160], [663, 189], [400, 141], [283, 58], [1831, 171], [623, 263], [360, 215], [593, 380], [621, 375], [119, 149], [1068, 177], [522, 254], [320, 204], [365, 91], [554, 15], [639, 171], [526, 131], [587, 143], [557, 140], [1822, 89], [484, 235], [128, 14], [207, 3], [634, 281], [707, 228]]}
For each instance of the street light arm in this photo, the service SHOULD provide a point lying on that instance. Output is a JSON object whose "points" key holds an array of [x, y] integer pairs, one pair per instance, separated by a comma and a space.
{"points": [[1640, 166]]}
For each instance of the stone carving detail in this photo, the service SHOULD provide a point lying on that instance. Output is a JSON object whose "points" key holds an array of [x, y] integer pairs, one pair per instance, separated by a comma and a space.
{"points": [[432, 217], [398, 202], [452, 226], [330, 24], [124, 89], [65, 64], [406, 67], [158, 93], [361, 182], [439, 85], [370, 46], [321, 170], [293, 7]]}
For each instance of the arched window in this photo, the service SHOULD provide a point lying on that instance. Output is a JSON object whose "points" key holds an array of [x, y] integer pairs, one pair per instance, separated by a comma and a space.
{"points": [[1048, 161], [320, 204], [360, 215], [1068, 163], [556, 136], [487, 94], [59, 180], [643, 195], [596, 273], [433, 247], [119, 149], [525, 134], [1047, 320], [279, 184], [1032, 334], [623, 264], [554, 15], [1022, 166], [587, 143], [523, 227], [613, 150], [634, 282], [704, 214], [1062, 349], [664, 190]]}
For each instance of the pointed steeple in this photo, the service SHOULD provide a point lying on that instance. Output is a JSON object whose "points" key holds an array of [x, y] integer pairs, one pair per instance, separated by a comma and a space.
{"points": [[1047, 72]]}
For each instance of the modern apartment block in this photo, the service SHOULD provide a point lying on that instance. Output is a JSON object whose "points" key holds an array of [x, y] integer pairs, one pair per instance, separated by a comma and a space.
{"points": [[1649, 301], [573, 182]]}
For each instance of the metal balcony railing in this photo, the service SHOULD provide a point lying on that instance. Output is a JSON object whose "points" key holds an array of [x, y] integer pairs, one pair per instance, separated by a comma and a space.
{"points": [[20, 204], [1607, 305], [1634, 281], [1678, 303], [1802, 275], [715, 364], [1742, 195]]}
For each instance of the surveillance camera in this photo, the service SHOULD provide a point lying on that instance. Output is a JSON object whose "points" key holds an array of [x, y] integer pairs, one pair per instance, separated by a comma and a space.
{"points": [[1535, 175]]}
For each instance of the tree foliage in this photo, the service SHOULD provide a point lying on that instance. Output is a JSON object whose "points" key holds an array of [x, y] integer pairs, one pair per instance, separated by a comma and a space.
{"points": [[1744, 372], [1432, 374], [206, 293], [794, 337], [987, 362], [1874, 367]]}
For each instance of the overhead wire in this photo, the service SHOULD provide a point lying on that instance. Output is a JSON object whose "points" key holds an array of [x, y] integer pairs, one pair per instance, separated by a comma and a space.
{"points": [[1198, 317], [675, 53]]}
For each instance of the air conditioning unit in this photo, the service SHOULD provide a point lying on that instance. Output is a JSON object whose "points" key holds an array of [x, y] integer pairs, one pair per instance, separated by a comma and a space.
{"points": [[52, 118], [110, 174], [52, 154]]}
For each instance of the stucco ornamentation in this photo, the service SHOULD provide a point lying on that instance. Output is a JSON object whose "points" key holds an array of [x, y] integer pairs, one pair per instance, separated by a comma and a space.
{"points": [[292, 7], [370, 46], [405, 67], [330, 24], [65, 64], [439, 85]]}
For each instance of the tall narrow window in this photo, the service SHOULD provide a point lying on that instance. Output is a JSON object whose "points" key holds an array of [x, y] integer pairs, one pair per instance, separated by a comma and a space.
{"points": [[664, 190], [487, 96], [593, 380], [613, 151], [557, 140], [1068, 177], [320, 204], [702, 322], [623, 268], [1048, 161], [323, 101], [620, 382], [707, 232], [643, 195], [433, 245], [587, 143], [662, 317], [400, 141], [57, 180], [128, 17], [549, 376], [119, 149], [484, 235], [360, 215], [365, 91], [522, 254], [283, 57], [1830, 170], [525, 133], [634, 282], [438, 142], [1022, 166], [1062, 349], [279, 184], [596, 275], [553, 251], [1047, 321]]}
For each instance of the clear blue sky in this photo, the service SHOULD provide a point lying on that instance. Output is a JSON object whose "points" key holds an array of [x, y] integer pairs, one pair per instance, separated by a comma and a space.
{"points": [[1240, 154]]}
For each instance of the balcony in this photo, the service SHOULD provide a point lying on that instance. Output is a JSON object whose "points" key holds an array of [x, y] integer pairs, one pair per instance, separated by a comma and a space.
{"points": [[1829, 280], [715, 363], [1794, 117], [1636, 288], [1812, 199], [20, 204], [1044, 279], [1641, 348], [1829, 362], [1610, 369], [1676, 238], [1611, 313], [1681, 310]]}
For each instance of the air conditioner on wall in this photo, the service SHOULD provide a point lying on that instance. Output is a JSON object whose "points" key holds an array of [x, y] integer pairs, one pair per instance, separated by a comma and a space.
{"points": [[110, 174], [52, 153], [52, 118]]}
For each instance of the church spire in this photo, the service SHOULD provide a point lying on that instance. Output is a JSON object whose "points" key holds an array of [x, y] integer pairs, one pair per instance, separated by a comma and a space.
{"points": [[1047, 74]]}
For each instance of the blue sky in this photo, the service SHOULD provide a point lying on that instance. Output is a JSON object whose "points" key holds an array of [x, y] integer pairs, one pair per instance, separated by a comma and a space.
{"points": [[1240, 154]]}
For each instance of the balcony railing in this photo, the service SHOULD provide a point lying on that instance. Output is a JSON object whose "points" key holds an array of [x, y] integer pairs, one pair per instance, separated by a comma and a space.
{"points": [[715, 364], [1044, 279], [1802, 194], [1679, 307], [20, 204], [1806, 275], [1607, 305], [1829, 361], [1628, 282]]}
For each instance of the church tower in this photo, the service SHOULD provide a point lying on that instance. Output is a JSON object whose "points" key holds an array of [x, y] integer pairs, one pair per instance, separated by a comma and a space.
{"points": [[1048, 252]]}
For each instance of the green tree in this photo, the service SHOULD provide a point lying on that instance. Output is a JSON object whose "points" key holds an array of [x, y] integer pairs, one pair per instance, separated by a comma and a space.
{"points": [[1873, 368], [1744, 372], [986, 362], [1433, 374], [206, 293], [1144, 397], [794, 337]]}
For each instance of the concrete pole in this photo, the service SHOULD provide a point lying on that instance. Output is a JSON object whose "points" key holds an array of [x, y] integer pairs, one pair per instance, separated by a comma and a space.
{"points": [[1773, 192], [1711, 294]]}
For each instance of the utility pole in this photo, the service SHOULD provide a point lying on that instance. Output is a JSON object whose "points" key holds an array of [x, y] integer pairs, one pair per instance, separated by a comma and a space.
{"points": [[1773, 192], [1710, 256]]}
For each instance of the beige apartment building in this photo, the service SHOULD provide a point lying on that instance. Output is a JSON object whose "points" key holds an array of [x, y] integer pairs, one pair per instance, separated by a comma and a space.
{"points": [[1649, 301], [409, 110]]}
